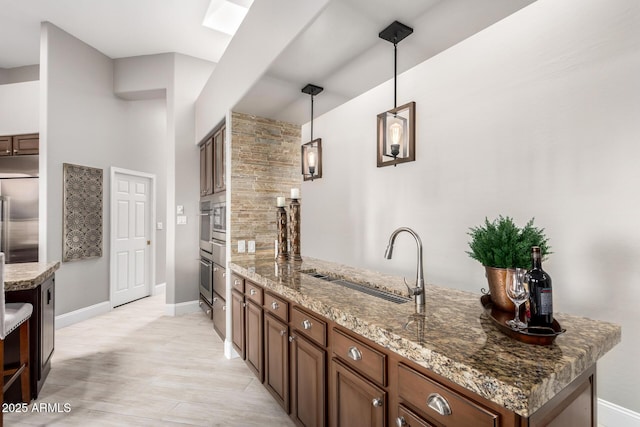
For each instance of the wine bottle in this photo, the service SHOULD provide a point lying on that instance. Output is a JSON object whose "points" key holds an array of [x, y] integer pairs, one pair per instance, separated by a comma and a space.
{"points": [[540, 292]]}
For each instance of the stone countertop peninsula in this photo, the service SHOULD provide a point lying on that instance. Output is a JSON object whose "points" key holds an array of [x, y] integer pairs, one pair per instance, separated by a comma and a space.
{"points": [[27, 275], [454, 338]]}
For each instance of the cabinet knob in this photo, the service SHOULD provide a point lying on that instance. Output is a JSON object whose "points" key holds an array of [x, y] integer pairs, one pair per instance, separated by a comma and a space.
{"points": [[15, 151], [283, 333], [438, 404], [401, 422], [252, 291], [208, 312], [244, 304], [8, 151], [199, 303], [236, 282], [291, 338], [224, 308], [215, 268], [215, 299], [354, 353], [275, 305], [224, 274], [306, 324], [377, 402]]}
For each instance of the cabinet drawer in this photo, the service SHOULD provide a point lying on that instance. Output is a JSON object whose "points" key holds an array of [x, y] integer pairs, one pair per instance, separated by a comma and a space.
{"points": [[406, 418], [276, 306], [439, 403], [361, 357], [310, 326], [253, 292], [237, 283]]}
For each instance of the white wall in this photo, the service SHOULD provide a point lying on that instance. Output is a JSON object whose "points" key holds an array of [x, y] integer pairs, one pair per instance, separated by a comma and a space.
{"points": [[19, 108], [536, 116], [86, 124], [268, 28]]}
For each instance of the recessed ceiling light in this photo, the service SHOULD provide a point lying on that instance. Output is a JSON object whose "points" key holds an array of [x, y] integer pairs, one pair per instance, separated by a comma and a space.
{"points": [[226, 15]]}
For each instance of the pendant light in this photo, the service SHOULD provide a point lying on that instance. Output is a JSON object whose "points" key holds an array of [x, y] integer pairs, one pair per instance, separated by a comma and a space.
{"points": [[396, 127], [311, 152]]}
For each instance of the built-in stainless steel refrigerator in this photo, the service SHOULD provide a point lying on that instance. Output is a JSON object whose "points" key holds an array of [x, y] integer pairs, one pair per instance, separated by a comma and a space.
{"points": [[19, 208]]}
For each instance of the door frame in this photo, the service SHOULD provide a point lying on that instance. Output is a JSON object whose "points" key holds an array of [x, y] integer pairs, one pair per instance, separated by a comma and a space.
{"points": [[112, 229]]}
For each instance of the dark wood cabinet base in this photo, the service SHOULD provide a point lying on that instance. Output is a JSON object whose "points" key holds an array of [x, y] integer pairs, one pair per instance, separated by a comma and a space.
{"points": [[41, 336]]}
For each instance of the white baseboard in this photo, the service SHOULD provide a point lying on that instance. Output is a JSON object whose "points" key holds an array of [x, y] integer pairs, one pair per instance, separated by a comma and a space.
{"points": [[612, 415], [181, 308], [85, 313], [158, 289]]}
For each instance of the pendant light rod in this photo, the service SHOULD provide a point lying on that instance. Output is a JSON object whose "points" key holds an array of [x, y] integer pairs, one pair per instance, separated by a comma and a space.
{"points": [[312, 90], [395, 33], [395, 76]]}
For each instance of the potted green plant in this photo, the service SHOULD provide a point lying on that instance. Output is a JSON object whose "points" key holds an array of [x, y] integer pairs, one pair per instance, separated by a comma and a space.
{"points": [[500, 245]]}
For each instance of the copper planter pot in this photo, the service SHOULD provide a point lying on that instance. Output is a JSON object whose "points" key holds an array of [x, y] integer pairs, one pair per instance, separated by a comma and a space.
{"points": [[497, 279]]}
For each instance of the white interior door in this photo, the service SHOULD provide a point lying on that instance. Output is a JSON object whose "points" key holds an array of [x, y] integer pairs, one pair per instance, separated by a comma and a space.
{"points": [[131, 219]]}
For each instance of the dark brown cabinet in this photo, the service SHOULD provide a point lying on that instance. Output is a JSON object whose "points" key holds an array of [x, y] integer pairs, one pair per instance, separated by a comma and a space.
{"points": [[237, 322], [219, 314], [355, 401], [206, 167], [41, 335], [19, 145], [212, 163], [308, 380], [219, 183], [276, 359], [254, 338]]}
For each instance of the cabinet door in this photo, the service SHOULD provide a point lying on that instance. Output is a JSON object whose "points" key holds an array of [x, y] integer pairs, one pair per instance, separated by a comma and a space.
{"points": [[219, 279], [203, 170], [47, 321], [254, 339], [355, 402], [276, 359], [219, 161], [237, 322], [219, 315], [5, 146], [209, 165], [26, 144], [308, 379]]}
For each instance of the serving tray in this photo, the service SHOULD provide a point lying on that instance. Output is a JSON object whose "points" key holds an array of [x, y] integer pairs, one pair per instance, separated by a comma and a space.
{"points": [[533, 335]]}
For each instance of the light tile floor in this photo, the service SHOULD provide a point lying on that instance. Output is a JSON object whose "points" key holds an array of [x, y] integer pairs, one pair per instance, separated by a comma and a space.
{"points": [[136, 367]]}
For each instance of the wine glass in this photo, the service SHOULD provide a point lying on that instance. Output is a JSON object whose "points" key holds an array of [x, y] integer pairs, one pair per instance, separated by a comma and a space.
{"points": [[518, 292]]}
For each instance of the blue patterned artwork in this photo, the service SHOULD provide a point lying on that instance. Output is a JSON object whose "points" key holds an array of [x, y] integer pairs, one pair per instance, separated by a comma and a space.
{"points": [[82, 212]]}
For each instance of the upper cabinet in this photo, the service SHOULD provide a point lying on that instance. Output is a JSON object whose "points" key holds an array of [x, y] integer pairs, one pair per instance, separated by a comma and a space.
{"points": [[212, 163], [18, 145]]}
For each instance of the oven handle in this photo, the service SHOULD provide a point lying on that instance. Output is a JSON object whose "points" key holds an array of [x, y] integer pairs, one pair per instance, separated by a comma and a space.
{"points": [[206, 214], [206, 264]]}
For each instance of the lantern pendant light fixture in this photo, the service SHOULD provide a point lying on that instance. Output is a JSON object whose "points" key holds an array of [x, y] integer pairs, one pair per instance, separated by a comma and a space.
{"points": [[311, 152], [396, 127]]}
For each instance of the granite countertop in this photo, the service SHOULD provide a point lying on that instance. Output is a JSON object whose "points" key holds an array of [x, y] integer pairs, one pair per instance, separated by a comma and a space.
{"points": [[454, 338], [27, 275]]}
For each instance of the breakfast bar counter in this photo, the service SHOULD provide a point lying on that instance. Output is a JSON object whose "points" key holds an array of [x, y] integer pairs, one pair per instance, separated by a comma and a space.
{"points": [[454, 338], [33, 282]]}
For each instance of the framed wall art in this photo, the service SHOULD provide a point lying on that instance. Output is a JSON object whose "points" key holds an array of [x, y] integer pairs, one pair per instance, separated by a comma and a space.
{"points": [[82, 212]]}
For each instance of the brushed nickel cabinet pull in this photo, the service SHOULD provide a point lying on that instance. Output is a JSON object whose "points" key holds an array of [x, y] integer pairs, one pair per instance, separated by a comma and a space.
{"points": [[377, 402], [438, 404], [354, 353], [401, 422], [275, 305], [252, 291], [306, 324]]}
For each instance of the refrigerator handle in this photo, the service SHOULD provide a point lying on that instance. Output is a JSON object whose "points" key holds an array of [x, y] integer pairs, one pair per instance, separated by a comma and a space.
{"points": [[4, 224]]}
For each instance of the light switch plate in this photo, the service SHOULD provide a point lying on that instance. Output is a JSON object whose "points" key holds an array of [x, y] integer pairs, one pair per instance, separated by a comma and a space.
{"points": [[181, 219], [252, 247], [241, 246], [180, 210]]}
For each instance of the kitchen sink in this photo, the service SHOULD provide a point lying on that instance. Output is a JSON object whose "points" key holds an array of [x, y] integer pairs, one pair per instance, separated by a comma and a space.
{"points": [[379, 293]]}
